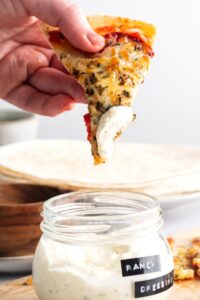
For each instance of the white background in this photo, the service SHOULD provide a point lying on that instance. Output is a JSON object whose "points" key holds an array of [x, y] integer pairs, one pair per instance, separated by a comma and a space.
{"points": [[168, 103]]}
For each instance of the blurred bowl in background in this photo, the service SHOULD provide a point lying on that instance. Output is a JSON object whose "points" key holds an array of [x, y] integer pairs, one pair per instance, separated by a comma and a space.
{"points": [[20, 208], [17, 126]]}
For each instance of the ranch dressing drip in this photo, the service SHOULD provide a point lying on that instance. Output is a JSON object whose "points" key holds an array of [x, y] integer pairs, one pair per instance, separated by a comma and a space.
{"points": [[112, 124]]}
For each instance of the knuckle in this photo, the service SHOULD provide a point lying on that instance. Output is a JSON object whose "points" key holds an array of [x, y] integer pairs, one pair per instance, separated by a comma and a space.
{"points": [[13, 72], [71, 5]]}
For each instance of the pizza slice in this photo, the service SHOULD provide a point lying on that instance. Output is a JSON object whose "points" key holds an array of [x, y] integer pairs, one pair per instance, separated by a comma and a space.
{"points": [[110, 77]]}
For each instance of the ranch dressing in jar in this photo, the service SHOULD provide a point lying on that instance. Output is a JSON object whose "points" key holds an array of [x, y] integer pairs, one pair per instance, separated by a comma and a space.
{"points": [[102, 245]]}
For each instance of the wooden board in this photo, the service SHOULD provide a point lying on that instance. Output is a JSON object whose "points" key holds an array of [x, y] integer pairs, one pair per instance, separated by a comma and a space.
{"points": [[20, 290]]}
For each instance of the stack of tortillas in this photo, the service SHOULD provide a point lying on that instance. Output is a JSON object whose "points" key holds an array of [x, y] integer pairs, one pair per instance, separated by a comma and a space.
{"points": [[159, 170]]}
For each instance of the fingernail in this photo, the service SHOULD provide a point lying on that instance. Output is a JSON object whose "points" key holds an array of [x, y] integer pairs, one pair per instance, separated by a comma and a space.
{"points": [[42, 60], [68, 106], [95, 39]]}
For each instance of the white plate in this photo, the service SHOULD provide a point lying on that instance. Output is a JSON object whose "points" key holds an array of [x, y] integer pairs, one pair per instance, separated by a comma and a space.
{"points": [[16, 264], [175, 201]]}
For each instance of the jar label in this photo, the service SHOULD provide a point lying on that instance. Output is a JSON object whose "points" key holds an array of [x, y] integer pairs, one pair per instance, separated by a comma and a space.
{"points": [[154, 286], [140, 265]]}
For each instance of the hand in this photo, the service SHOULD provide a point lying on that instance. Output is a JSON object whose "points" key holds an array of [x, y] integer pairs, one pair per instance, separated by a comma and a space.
{"points": [[31, 77]]}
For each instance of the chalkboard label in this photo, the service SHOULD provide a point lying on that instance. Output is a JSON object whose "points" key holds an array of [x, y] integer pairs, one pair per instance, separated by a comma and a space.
{"points": [[154, 286], [140, 265]]}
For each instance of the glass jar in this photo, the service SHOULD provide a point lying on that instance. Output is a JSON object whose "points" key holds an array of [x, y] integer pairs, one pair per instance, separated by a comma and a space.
{"points": [[102, 245]]}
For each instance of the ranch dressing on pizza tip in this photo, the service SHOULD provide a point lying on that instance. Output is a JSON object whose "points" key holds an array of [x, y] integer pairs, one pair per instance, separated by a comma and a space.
{"points": [[112, 124], [112, 268]]}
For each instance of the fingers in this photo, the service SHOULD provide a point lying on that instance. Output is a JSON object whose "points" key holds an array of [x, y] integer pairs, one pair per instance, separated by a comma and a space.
{"points": [[56, 64], [29, 99], [52, 89], [52, 81], [69, 18], [17, 66]]}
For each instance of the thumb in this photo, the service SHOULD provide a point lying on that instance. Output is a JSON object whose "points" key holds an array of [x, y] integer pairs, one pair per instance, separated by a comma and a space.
{"points": [[69, 18]]}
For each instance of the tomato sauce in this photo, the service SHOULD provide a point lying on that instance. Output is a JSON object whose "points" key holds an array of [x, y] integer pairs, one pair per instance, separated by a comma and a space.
{"points": [[87, 120], [55, 36]]}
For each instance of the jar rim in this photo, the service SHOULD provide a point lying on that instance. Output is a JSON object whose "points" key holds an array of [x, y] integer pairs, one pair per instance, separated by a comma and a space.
{"points": [[49, 207], [85, 215]]}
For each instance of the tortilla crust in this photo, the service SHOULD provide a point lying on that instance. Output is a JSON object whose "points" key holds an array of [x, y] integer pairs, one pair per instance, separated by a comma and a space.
{"points": [[124, 24], [163, 171], [148, 31]]}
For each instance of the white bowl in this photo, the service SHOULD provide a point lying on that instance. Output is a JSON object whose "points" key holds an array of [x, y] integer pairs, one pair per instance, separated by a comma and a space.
{"points": [[17, 126], [16, 264]]}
